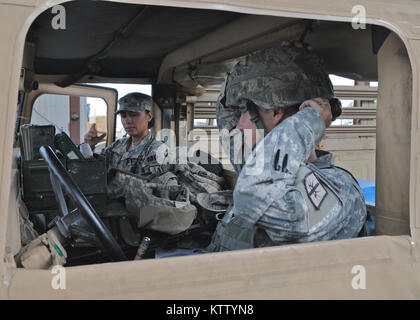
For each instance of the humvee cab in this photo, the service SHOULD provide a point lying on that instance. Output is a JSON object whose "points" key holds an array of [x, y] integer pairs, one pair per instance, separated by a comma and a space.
{"points": [[182, 48]]}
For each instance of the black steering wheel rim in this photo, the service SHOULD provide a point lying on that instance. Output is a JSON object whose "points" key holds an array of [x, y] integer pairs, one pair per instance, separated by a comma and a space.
{"points": [[107, 240]]}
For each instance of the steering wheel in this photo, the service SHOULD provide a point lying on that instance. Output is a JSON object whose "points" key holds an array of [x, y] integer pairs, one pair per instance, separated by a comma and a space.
{"points": [[105, 237]]}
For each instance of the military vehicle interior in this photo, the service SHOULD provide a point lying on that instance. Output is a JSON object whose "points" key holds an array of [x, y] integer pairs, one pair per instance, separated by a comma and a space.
{"points": [[180, 52]]}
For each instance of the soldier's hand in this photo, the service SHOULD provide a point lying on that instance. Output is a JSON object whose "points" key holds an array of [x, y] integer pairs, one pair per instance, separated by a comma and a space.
{"points": [[92, 137], [322, 106]]}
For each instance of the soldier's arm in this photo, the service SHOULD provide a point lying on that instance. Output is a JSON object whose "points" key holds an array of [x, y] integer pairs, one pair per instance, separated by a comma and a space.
{"points": [[296, 140], [286, 148], [284, 220]]}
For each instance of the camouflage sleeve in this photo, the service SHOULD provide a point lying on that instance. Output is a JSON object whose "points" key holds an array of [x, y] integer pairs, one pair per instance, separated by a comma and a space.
{"points": [[294, 140], [265, 192], [265, 196]]}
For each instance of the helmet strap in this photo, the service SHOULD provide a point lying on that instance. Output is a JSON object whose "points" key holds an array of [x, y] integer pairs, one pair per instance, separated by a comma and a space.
{"points": [[255, 117]]}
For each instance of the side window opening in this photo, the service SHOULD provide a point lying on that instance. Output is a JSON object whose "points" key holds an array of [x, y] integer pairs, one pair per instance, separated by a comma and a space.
{"points": [[70, 114], [351, 138]]}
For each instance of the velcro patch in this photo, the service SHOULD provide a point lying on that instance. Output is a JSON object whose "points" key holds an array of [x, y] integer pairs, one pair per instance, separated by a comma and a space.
{"points": [[315, 191]]}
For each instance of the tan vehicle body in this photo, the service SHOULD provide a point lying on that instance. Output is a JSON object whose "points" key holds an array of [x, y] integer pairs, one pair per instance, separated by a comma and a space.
{"points": [[303, 271]]}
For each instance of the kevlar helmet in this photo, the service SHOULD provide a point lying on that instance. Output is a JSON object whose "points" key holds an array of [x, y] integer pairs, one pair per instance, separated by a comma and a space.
{"points": [[278, 77]]}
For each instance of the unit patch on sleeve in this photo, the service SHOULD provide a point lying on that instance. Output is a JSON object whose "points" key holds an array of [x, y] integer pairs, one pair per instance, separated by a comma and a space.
{"points": [[315, 191]]}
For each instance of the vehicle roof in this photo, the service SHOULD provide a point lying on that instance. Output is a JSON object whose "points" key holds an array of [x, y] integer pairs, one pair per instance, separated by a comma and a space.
{"points": [[116, 40], [91, 26]]}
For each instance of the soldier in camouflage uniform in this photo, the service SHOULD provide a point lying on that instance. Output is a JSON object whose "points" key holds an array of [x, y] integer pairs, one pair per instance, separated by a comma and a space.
{"points": [[137, 153], [150, 191], [298, 195], [140, 172]]}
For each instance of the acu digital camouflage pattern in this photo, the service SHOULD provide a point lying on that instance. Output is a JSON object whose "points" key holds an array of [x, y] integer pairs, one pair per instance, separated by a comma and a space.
{"points": [[141, 160], [148, 182], [217, 201], [197, 179], [135, 102], [272, 78], [150, 191], [277, 77], [154, 206], [156, 192], [272, 208]]}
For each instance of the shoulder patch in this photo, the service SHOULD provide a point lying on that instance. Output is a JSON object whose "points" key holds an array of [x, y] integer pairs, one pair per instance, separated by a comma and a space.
{"points": [[315, 191]]}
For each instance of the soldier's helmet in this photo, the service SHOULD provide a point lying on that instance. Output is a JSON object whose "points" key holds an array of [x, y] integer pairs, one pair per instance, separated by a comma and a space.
{"points": [[278, 77], [135, 102]]}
